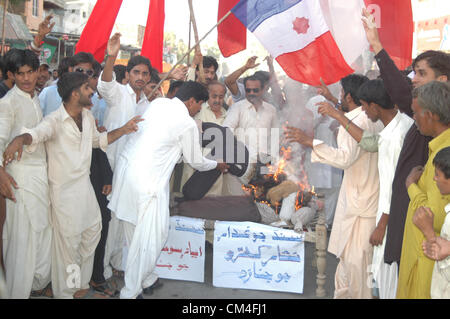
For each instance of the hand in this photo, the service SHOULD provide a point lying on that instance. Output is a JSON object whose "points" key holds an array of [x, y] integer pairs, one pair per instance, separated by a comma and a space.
{"points": [[113, 46], [198, 58], [101, 129], [269, 60], [377, 236], [45, 27], [323, 90], [326, 108], [131, 126], [179, 73], [435, 249], [106, 189], [251, 63], [6, 181], [423, 218], [15, 146], [414, 176], [222, 167], [371, 31], [294, 134]]}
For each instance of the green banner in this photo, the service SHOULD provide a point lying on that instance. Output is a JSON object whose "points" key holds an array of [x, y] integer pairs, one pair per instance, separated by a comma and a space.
{"points": [[47, 53]]}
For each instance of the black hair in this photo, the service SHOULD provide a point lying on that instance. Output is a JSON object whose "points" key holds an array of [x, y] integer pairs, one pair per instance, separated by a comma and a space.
{"points": [[4, 62], [69, 82], [438, 61], [97, 68], [137, 60], [253, 78], [65, 64], [192, 89], [154, 76], [174, 84], [120, 70], [264, 76], [350, 85], [84, 57], [19, 58], [442, 161], [373, 91], [209, 61]]}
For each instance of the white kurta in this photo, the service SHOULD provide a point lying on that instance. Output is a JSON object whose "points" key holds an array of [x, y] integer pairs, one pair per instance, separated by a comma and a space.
{"points": [[140, 194], [27, 232], [253, 127], [121, 107], [75, 212], [390, 145]]}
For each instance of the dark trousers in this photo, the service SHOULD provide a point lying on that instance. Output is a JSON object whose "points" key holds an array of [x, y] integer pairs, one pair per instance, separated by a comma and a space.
{"points": [[101, 175], [222, 143], [98, 270]]}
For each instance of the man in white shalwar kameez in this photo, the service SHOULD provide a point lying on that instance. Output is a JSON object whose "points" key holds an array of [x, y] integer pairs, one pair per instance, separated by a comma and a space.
{"points": [[69, 134], [123, 102], [27, 232], [378, 106], [140, 195]]}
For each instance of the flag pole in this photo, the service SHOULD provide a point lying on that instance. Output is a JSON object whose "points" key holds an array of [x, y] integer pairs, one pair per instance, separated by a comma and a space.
{"points": [[188, 52], [201, 74]]}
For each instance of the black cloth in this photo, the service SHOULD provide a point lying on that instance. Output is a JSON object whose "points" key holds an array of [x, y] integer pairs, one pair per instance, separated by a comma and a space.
{"points": [[3, 89], [224, 146], [226, 208], [414, 152], [101, 174]]}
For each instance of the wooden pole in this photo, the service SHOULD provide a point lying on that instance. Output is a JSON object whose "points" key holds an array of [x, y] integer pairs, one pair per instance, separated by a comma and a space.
{"points": [[201, 74], [188, 52], [189, 41], [5, 9]]}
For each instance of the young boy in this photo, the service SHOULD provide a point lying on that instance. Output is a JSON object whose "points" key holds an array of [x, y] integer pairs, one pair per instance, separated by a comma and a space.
{"points": [[439, 248]]}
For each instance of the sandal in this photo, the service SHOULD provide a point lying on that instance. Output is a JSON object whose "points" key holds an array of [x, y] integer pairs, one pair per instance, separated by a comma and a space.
{"points": [[89, 294], [104, 288], [118, 273], [46, 292]]}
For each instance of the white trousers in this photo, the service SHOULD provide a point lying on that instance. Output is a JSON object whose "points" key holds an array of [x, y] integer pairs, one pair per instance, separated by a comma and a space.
{"points": [[114, 247], [73, 261], [27, 255], [145, 242], [387, 280]]}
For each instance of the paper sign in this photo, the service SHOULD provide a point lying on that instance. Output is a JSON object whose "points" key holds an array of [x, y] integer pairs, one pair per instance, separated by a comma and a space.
{"points": [[255, 256], [183, 255]]}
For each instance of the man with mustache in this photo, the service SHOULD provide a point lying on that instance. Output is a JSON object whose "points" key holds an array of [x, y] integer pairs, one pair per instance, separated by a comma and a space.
{"points": [[251, 121]]}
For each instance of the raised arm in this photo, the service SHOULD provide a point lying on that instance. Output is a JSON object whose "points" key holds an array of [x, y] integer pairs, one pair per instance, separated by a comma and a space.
{"points": [[112, 50], [231, 80], [394, 81], [274, 85]]}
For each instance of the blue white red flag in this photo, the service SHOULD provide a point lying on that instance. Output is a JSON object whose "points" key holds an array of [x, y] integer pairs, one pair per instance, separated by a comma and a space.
{"points": [[296, 34]]}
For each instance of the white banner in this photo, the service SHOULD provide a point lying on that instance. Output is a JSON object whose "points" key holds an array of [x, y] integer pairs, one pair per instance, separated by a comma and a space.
{"points": [[183, 255], [255, 256]]}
